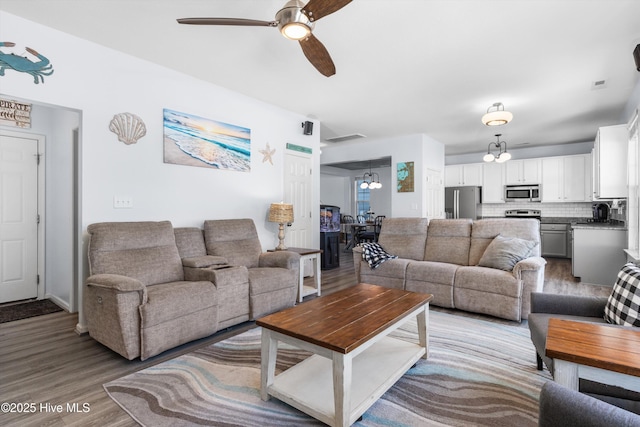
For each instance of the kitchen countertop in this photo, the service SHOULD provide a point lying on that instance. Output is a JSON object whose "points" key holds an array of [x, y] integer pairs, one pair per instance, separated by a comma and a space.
{"points": [[582, 223]]}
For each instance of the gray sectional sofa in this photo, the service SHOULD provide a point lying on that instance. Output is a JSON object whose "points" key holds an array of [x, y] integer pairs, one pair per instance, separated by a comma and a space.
{"points": [[152, 287], [449, 258]]}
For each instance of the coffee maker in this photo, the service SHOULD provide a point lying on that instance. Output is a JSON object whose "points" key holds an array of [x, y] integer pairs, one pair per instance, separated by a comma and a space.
{"points": [[600, 212]]}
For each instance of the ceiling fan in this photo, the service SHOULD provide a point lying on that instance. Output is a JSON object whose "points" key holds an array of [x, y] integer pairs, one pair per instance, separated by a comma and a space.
{"points": [[295, 21]]}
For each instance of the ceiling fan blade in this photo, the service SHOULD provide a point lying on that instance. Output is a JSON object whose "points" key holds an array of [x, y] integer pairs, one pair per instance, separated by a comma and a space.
{"points": [[317, 9], [318, 55], [227, 21]]}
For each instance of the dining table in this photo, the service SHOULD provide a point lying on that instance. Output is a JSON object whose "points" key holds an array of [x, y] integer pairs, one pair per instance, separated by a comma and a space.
{"points": [[356, 228]]}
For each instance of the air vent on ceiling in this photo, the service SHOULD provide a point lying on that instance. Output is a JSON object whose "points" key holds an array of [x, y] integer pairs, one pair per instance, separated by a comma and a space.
{"points": [[599, 84], [345, 137]]}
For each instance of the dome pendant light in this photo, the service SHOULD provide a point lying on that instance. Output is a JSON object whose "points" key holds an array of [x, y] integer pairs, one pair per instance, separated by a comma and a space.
{"points": [[496, 115]]}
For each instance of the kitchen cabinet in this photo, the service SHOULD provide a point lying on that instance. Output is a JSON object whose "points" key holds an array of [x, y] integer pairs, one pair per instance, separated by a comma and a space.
{"points": [[493, 181], [609, 162], [566, 178], [598, 253], [457, 175], [525, 171]]}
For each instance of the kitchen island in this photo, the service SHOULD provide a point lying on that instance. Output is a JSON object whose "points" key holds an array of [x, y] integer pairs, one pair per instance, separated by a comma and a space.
{"points": [[598, 252]]}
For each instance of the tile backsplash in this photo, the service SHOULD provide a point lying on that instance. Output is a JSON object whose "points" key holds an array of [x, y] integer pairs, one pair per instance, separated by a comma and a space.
{"points": [[578, 210]]}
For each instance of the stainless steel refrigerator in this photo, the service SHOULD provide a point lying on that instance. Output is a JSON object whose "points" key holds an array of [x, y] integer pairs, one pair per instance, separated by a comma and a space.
{"points": [[462, 202]]}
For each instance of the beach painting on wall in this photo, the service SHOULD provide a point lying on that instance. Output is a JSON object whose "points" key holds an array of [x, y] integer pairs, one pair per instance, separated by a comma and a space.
{"points": [[195, 141]]}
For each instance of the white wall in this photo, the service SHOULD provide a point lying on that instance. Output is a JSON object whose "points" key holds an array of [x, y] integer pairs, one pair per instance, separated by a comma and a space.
{"points": [[101, 82], [425, 152]]}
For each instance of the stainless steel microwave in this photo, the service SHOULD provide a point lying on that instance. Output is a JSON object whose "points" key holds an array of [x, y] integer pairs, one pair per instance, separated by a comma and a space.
{"points": [[522, 193]]}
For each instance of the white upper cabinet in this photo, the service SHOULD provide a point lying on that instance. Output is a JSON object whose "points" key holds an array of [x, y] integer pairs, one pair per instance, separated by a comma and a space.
{"points": [[610, 162], [461, 175], [525, 171], [566, 178], [493, 179]]}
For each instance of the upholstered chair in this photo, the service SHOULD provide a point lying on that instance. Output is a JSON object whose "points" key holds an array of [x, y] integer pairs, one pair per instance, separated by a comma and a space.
{"points": [[562, 407], [137, 301], [273, 276]]}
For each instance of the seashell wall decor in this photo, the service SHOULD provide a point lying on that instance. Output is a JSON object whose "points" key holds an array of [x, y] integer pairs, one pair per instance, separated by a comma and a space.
{"points": [[129, 127]]}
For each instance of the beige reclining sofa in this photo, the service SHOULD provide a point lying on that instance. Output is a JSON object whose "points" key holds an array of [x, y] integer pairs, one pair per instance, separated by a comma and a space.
{"points": [[152, 287], [446, 258]]}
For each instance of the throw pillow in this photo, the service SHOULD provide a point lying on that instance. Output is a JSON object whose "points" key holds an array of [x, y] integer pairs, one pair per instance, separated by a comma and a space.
{"points": [[623, 304], [374, 254], [505, 252]]}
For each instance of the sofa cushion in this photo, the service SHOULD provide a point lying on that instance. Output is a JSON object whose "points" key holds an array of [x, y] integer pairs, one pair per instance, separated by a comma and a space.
{"points": [[144, 250], [504, 252], [448, 241], [190, 242], [485, 230], [489, 291], [434, 278], [234, 239], [390, 274], [404, 237], [623, 305]]}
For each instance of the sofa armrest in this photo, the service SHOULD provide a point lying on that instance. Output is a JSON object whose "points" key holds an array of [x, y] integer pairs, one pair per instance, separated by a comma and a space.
{"points": [[573, 305], [528, 264], [118, 283], [283, 259], [203, 261]]}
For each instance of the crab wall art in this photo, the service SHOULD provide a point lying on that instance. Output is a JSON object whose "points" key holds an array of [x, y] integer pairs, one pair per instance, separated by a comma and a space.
{"points": [[22, 64]]}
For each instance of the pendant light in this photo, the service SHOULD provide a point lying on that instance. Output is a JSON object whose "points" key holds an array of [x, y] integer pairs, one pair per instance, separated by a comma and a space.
{"points": [[371, 180], [502, 156]]}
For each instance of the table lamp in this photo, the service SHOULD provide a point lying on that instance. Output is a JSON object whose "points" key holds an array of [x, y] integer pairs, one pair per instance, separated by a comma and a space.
{"points": [[282, 213]]}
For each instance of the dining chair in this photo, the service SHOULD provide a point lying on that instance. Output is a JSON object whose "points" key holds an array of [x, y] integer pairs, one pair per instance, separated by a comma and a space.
{"points": [[361, 219], [372, 236], [347, 219]]}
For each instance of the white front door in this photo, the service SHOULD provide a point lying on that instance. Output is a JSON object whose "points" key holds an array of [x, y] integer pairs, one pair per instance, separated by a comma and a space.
{"points": [[18, 217], [297, 190]]}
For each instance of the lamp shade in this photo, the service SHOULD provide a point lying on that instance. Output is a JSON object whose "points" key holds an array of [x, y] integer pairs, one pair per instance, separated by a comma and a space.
{"points": [[281, 213]]}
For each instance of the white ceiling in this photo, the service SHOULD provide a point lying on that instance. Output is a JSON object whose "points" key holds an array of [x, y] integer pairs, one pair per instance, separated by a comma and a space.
{"points": [[403, 66]]}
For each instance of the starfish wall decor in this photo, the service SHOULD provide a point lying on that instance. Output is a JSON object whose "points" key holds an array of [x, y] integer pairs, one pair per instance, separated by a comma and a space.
{"points": [[268, 153]]}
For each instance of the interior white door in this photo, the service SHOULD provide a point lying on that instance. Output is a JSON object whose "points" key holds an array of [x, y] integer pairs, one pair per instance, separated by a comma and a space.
{"points": [[18, 218], [297, 190], [434, 194]]}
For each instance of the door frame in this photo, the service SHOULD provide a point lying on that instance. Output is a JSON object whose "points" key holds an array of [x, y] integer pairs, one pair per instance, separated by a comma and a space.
{"points": [[41, 171]]}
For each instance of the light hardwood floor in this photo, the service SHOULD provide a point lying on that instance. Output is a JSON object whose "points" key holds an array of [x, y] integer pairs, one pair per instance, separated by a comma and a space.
{"points": [[43, 361]]}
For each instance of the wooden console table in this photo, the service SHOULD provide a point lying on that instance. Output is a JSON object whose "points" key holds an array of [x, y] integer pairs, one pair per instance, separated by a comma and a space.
{"points": [[597, 352]]}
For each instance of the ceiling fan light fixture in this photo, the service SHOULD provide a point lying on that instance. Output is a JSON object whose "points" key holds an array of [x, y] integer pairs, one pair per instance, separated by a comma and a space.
{"points": [[292, 23], [295, 31], [496, 115]]}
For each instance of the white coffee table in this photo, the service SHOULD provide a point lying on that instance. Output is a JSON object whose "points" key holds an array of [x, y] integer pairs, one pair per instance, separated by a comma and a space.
{"points": [[355, 360]]}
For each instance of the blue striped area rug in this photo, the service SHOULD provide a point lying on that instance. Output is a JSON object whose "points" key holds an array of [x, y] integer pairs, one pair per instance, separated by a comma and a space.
{"points": [[479, 373]]}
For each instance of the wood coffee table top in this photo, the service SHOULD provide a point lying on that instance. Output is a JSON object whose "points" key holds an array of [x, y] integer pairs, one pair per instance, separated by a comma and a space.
{"points": [[344, 320], [596, 345]]}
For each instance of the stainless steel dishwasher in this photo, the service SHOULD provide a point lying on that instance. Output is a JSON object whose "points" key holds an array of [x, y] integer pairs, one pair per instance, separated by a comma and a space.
{"points": [[555, 240]]}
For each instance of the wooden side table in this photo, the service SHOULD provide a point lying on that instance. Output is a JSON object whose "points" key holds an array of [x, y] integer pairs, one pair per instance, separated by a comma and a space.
{"points": [[314, 255], [597, 352]]}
